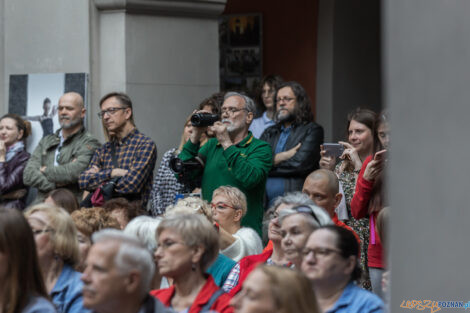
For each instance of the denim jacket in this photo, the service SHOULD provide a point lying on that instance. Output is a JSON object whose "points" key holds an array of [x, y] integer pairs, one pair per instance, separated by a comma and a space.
{"points": [[67, 292]]}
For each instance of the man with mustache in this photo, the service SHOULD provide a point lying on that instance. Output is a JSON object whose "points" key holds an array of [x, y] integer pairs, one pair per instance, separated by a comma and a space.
{"points": [[295, 141], [118, 274], [60, 157], [235, 157]]}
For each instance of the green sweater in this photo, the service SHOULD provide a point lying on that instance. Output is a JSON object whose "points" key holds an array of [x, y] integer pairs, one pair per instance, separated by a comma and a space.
{"points": [[245, 166]]}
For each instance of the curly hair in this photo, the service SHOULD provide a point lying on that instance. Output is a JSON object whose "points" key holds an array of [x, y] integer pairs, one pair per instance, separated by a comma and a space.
{"points": [[303, 110], [89, 221]]}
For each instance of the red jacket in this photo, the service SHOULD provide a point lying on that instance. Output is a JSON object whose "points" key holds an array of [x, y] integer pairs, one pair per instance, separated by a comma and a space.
{"points": [[247, 264], [341, 224], [359, 209], [221, 305]]}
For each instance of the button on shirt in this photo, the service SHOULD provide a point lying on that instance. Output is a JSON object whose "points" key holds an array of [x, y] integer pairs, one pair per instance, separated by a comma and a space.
{"points": [[275, 185]]}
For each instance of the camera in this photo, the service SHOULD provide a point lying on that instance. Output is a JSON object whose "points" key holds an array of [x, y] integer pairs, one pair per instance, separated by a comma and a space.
{"points": [[203, 119], [187, 172]]}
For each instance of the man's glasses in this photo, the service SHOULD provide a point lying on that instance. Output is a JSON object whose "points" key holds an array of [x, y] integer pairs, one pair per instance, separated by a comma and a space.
{"points": [[285, 99], [109, 111], [231, 111]]}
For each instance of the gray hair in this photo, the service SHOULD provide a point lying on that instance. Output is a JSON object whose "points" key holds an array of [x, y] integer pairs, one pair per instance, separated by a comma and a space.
{"points": [[249, 103], [144, 228], [322, 217], [195, 230], [294, 198], [132, 254]]}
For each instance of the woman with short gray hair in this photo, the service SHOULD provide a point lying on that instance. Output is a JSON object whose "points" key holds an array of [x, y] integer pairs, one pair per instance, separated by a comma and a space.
{"points": [[187, 245]]}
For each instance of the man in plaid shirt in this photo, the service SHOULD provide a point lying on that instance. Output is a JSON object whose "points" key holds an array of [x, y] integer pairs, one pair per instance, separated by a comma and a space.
{"points": [[135, 153]]}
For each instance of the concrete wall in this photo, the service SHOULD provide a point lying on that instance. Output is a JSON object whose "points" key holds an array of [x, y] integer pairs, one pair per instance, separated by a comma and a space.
{"points": [[427, 72], [171, 66], [348, 62]]}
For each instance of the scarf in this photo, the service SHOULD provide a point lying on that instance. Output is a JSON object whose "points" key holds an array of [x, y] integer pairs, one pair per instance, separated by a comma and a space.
{"points": [[13, 150]]}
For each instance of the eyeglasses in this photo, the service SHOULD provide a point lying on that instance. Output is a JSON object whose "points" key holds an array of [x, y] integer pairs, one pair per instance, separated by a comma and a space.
{"points": [[231, 111], [109, 111], [320, 252], [37, 232], [307, 210], [221, 206], [167, 244], [285, 99]]}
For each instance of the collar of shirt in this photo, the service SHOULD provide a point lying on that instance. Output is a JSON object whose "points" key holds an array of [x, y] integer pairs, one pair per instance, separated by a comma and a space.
{"points": [[125, 141], [345, 298], [265, 117], [245, 142]]}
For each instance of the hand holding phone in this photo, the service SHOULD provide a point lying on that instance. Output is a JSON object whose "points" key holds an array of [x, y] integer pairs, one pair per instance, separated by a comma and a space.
{"points": [[333, 149]]}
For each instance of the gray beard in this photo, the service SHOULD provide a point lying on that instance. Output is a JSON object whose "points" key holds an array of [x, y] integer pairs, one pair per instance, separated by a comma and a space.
{"points": [[287, 117], [230, 126], [70, 123]]}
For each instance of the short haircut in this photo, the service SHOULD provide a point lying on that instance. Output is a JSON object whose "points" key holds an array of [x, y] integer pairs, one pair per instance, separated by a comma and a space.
{"points": [[291, 290], [132, 255], [64, 198], [131, 209], [294, 198], [195, 230], [64, 237], [234, 195], [347, 244], [124, 100], [190, 205], [91, 220], [332, 179], [145, 228], [249, 103]]}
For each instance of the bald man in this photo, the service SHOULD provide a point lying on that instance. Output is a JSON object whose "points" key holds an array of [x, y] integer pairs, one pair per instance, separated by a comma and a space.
{"points": [[322, 186], [60, 157]]}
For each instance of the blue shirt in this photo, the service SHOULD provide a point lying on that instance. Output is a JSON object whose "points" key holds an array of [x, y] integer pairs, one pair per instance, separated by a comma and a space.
{"points": [[67, 292], [275, 185], [357, 300], [39, 305], [259, 124]]}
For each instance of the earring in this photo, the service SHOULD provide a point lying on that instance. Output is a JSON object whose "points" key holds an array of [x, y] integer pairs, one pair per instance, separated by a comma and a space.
{"points": [[193, 267]]}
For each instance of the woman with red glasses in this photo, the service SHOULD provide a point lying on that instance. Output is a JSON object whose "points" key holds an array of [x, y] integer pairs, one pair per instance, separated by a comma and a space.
{"points": [[228, 208]]}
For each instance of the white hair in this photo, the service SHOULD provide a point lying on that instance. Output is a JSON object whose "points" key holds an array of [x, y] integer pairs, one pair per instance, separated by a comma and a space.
{"points": [[132, 254], [249, 103], [144, 228]]}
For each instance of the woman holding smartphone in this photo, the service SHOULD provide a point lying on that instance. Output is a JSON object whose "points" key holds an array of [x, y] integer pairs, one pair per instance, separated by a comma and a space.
{"points": [[362, 142], [368, 201]]}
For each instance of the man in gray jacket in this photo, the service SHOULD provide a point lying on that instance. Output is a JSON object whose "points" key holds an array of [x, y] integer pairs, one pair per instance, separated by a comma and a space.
{"points": [[60, 157]]}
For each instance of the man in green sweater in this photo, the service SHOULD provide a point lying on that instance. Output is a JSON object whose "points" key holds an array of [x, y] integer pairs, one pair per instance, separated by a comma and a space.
{"points": [[234, 157]]}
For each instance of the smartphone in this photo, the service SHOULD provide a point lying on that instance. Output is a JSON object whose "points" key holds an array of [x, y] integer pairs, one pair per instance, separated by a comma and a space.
{"points": [[380, 155], [333, 149]]}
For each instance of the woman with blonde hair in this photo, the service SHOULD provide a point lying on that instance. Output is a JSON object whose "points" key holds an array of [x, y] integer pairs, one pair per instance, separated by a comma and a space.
{"points": [[275, 289], [187, 245], [57, 248], [21, 285]]}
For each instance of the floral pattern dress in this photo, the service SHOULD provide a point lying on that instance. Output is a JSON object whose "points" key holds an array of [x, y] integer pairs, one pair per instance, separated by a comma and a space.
{"points": [[348, 179]]}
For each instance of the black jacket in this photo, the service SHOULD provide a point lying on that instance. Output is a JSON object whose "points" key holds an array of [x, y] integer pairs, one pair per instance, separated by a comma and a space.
{"points": [[305, 161]]}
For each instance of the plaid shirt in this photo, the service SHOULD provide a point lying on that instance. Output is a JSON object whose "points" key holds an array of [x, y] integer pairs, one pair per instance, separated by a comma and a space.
{"points": [[136, 153], [165, 185]]}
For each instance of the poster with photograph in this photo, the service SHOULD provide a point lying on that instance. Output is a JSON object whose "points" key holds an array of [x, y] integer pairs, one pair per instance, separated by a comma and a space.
{"points": [[35, 97], [240, 39]]}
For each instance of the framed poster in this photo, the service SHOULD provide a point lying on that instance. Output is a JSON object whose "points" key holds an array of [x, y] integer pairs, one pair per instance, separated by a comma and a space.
{"points": [[240, 44], [35, 98]]}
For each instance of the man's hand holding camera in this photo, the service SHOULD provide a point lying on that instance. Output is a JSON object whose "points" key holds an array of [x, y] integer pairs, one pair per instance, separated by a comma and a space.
{"points": [[220, 131]]}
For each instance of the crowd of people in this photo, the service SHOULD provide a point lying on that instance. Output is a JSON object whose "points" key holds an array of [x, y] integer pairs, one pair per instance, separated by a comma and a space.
{"points": [[250, 211]]}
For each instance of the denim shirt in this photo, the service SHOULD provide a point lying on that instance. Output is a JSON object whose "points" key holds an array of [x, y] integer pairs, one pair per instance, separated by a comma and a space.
{"points": [[67, 292], [357, 300]]}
